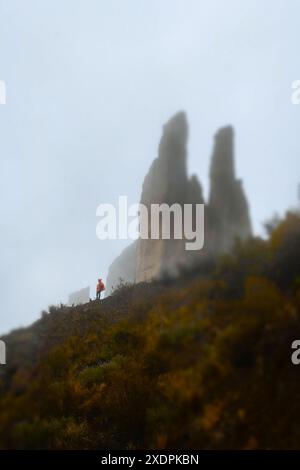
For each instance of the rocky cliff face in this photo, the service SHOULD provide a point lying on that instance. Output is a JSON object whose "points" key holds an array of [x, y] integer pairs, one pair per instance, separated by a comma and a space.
{"points": [[79, 297], [226, 214], [122, 269], [228, 208], [166, 182]]}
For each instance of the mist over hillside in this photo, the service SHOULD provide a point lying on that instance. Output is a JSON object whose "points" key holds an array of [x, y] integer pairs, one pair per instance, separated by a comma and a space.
{"points": [[201, 361], [89, 85]]}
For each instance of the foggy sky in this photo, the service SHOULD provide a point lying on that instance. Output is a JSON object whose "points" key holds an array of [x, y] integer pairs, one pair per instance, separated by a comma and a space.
{"points": [[90, 84]]}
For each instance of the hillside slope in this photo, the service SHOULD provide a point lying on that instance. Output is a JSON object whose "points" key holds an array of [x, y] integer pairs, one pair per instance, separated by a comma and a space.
{"points": [[201, 362]]}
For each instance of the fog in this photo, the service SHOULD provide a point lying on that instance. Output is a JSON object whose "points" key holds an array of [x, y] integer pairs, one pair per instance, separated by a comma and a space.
{"points": [[89, 85]]}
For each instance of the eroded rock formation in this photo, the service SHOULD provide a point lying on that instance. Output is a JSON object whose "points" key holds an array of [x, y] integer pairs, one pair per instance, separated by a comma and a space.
{"points": [[79, 297], [228, 208], [226, 214], [166, 182], [122, 269]]}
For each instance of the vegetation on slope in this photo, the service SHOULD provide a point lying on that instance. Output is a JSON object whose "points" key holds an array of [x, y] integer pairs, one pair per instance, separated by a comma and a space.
{"points": [[201, 362]]}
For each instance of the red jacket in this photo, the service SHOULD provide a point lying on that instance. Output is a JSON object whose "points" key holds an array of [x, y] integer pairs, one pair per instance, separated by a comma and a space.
{"points": [[100, 286]]}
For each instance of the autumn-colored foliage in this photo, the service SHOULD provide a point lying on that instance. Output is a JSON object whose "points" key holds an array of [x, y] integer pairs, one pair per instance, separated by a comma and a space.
{"points": [[202, 362]]}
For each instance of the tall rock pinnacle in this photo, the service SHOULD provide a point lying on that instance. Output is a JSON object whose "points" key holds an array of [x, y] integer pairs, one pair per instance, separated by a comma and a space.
{"points": [[228, 207], [166, 182], [168, 173], [222, 172]]}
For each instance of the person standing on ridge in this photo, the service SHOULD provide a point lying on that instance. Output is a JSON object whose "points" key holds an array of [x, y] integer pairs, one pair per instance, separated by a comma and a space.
{"points": [[100, 287]]}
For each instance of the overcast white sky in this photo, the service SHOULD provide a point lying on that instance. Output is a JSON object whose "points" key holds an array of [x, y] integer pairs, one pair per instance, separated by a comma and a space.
{"points": [[90, 84]]}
